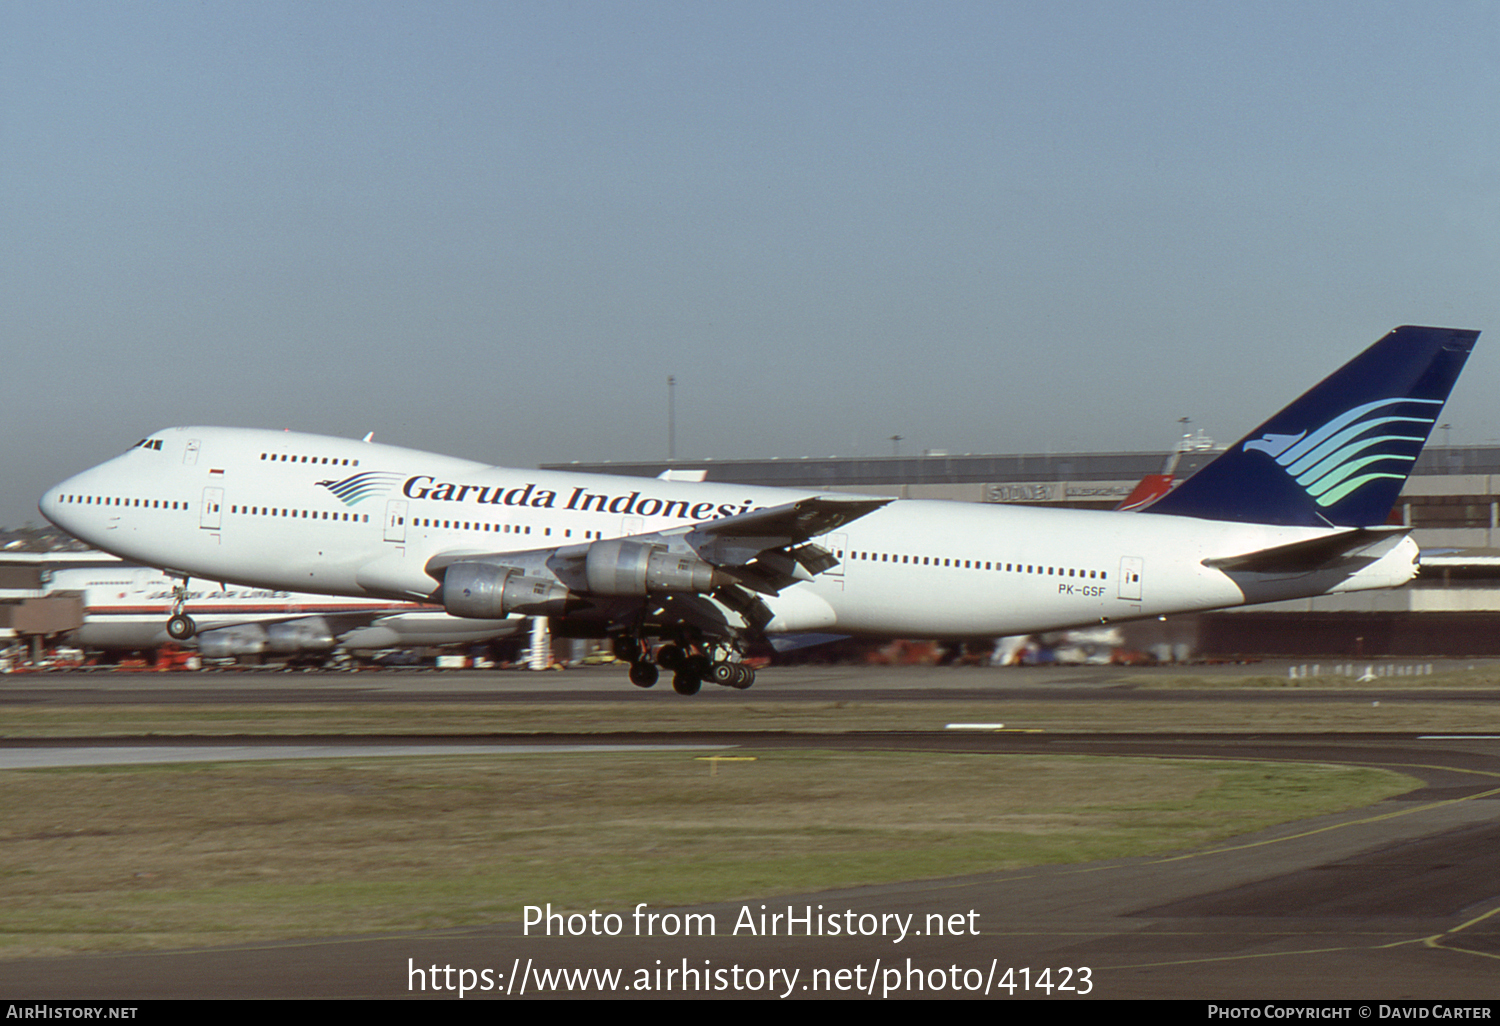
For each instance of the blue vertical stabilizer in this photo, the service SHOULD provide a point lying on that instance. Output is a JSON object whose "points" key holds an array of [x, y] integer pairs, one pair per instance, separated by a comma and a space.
{"points": [[1340, 454]]}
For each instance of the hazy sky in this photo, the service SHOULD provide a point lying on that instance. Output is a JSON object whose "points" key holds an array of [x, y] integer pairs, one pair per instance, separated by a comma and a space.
{"points": [[493, 229]]}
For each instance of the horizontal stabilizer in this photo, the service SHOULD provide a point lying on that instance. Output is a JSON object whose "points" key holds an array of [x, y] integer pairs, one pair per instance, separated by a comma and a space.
{"points": [[1306, 556]]}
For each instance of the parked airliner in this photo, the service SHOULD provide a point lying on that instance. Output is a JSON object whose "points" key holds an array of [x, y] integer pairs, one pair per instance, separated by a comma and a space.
{"points": [[1296, 508], [126, 608]]}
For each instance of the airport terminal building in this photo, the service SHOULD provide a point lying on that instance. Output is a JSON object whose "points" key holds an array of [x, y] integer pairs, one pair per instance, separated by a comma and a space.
{"points": [[1452, 501]]}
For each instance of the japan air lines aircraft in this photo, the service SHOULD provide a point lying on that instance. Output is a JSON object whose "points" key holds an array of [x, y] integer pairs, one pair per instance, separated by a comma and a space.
{"points": [[128, 608], [683, 575]]}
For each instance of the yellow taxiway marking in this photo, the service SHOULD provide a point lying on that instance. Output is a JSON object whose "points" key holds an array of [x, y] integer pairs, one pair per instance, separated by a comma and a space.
{"points": [[714, 761]]}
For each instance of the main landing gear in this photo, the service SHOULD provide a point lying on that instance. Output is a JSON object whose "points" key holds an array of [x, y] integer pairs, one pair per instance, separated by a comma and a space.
{"points": [[689, 669], [180, 626]]}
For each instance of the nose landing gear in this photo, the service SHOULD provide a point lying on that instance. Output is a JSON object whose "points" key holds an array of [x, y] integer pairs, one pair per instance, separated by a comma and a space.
{"points": [[180, 626]]}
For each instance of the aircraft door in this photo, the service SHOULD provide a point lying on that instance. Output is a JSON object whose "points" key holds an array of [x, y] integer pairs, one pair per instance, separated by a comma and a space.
{"points": [[395, 520], [190, 453], [209, 516], [1130, 577]]}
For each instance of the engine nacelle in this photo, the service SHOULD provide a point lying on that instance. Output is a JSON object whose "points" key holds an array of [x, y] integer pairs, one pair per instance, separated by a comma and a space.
{"points": [[228, 642], [620, 566], [483, 591], [310, 634]]}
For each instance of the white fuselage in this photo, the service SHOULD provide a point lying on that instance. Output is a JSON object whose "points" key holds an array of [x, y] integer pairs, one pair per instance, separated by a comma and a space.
{"points": [[308, 513]]}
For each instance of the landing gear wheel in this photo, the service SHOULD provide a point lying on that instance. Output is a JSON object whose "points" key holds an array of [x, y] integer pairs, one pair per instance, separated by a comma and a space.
{"points": [[643, 674], [669, 657], [744, 676], [180, 626], [627, 648], [724, 674], [685, 683]]}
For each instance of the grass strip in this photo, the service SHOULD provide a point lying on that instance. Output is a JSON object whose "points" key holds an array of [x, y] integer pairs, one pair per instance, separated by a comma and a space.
{"points": [[130, 858]]}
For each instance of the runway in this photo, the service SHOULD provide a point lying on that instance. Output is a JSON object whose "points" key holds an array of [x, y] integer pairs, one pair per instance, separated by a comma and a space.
{"points": [[795, 684], [1397, 900]]}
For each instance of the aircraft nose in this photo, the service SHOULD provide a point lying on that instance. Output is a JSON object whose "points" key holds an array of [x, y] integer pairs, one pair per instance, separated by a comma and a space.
{"points": [[53, 504], [50, 504]]}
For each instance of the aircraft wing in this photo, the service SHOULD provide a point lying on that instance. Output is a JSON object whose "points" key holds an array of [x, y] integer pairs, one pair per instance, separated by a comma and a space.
{"points": [[693, 573], [298, 633], [796, 521], [728, 542], [768, 549]]}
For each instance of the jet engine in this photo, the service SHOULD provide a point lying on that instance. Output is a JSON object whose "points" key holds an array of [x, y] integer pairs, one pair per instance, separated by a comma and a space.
{"points": [[483, 591], [228, 642], [288, 637], [620, 566]]}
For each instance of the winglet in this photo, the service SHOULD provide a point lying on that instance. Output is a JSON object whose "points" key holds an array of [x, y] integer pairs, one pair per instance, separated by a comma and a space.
{"points": [[1339, 455]]}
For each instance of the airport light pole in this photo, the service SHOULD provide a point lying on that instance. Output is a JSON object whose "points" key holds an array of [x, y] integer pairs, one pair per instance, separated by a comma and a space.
{"points": [[671, 418]]}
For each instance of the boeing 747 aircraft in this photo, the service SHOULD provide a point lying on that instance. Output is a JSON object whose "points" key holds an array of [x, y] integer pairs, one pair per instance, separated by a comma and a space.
{"points": [[682, 575], [126, 608]]}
